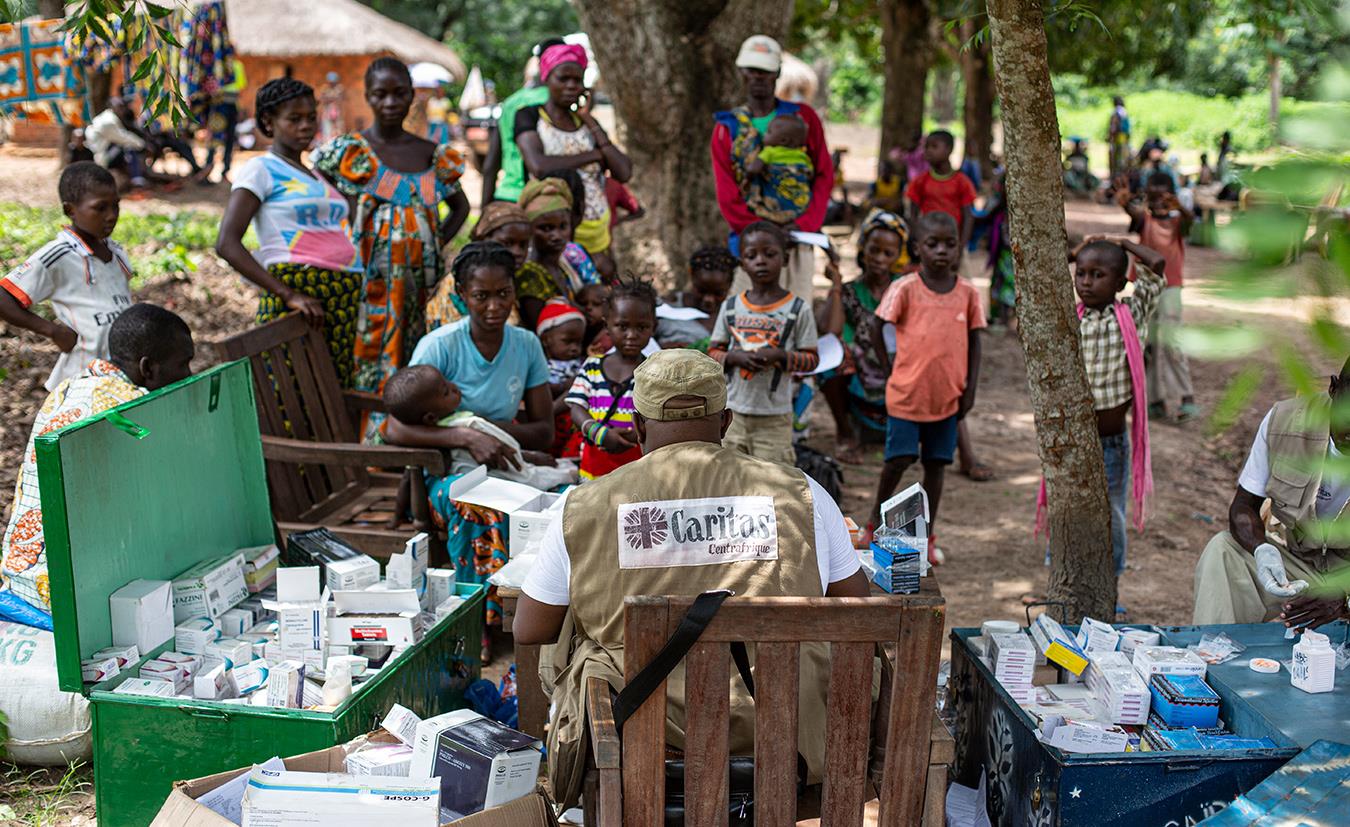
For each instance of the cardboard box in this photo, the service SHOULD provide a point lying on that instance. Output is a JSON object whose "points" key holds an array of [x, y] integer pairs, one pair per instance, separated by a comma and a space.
{"points": [[235, 622], [192, 663], [126, 655], [1057, 645], [352, 574], [286, 685], [440, 586], [215, 684], [300, 608], [409, 569], [402, 723], [211, 588], [536, 508], [260, 566], [145, 686], [231, 650], [250, 677], [483, 764], [389, 617], [192, 636], [182, 809], [163, 670], [142, 614], [96, 670]]}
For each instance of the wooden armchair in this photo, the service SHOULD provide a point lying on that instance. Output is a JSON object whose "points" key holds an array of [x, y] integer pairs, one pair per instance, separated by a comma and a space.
{"points": [[628, 787], [317, 469]]}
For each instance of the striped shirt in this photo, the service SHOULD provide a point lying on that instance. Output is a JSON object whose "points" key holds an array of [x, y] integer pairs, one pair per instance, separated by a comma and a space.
{"points": [[596, 393]]}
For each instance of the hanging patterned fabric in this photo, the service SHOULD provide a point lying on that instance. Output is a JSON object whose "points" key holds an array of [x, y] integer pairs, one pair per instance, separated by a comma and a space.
{"points": [[37, 80], [203, 63]]}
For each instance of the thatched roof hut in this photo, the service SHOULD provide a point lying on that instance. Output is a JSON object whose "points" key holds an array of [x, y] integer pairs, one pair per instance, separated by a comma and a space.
{"points": [[309, 38]]}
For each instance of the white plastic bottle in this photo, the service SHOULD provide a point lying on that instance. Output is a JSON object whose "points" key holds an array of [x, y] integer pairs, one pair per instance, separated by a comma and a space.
{"points": [[1314, 666]]}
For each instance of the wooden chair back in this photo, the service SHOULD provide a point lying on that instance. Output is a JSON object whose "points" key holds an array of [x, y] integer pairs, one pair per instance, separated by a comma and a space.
{"points": [[299, 398], [632, 770]]}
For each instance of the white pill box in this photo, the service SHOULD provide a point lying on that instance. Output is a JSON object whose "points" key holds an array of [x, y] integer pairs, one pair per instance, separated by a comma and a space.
{"points": [[1167, 660], [145, 686], [352, 573], [209, 589], [193, 635], [95, 670]]}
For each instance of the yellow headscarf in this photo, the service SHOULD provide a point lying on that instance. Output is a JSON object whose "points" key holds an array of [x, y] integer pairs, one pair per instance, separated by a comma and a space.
{"points": [[545, 195]]}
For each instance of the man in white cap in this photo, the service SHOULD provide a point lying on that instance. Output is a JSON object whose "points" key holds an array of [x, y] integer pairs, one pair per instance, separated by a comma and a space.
{"points": [[739, 132], [688, 517]]}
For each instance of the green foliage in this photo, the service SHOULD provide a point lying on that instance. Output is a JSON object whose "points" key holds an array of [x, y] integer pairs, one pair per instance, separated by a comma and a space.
{"points": [[497, 35], [12, 11], [1183, 118], [162, 244], [31, 801], [137, 25]]}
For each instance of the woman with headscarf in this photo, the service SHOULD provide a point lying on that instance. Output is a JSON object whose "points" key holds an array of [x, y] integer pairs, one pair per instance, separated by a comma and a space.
{"points": [[547, 273], [502, 222], [856, 390], [553, 136]]}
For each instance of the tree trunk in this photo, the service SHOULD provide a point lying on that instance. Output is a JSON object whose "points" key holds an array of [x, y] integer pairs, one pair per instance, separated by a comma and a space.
{"points": [[978, 113], [908, 50], [1081, 575], [1275, 83], [944, 94], [668, 67]]}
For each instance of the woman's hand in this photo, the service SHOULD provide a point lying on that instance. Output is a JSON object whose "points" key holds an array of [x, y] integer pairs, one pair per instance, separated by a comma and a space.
{"points": [[307, 306], [593, 126], [488, 451]]}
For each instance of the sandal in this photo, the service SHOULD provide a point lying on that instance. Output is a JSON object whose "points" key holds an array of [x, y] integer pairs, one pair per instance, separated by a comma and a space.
{"points": [[979, 472], [1187, 412], [935, 555]]}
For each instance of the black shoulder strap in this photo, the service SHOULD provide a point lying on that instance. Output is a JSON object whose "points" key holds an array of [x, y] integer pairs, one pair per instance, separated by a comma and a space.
{"points": [[785, 341], [686, 635]]}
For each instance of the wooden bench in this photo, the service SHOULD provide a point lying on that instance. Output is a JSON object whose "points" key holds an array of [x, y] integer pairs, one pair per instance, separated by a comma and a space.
{"points": [[318, 472], [629, 786]]}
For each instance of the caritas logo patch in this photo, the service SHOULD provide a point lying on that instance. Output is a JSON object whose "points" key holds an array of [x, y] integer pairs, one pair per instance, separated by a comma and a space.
{"points": [[670, 533]]}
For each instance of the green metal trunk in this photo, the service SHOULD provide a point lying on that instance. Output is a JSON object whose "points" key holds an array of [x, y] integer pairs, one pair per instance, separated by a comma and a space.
{"points": [[145, 491]]}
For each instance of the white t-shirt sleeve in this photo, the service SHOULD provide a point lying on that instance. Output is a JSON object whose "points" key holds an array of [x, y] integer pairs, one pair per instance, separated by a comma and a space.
{"points": [[255, 178], [33, 281], [835, 555], [1256, 472], [548, 582]]}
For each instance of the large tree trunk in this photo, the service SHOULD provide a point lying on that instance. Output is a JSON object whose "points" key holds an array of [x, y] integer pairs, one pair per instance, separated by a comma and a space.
{"points": [[944, 94], [978, 113], [906, 44], [669, 67], [1081, 575]]}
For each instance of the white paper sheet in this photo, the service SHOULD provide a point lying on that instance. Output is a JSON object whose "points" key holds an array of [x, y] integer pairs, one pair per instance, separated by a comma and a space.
{"points": [[831, 352], [227, 799], [814, 239], [679, 314]]}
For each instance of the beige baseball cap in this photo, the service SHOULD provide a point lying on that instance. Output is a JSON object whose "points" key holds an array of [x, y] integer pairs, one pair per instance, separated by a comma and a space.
{"points": [[760, 51], [676, 372]]}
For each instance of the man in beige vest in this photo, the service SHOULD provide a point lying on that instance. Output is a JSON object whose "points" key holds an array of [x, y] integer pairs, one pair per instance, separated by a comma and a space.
{"points": [[688, 517], [1297, 462]]}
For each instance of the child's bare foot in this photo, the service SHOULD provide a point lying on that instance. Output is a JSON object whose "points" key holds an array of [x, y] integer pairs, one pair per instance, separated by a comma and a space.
{"points": [[977, 471]]}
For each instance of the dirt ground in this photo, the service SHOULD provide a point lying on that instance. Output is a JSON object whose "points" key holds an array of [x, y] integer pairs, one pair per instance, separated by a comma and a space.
{"points": [[985, 528]]}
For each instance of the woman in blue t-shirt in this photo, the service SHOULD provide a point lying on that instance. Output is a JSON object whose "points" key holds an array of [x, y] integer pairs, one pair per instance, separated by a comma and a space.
{"points": [[502, 374]]}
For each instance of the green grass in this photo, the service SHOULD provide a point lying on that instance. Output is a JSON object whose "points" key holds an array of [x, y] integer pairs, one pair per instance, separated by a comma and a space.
{"points": [[159, 245], [30, 801]]}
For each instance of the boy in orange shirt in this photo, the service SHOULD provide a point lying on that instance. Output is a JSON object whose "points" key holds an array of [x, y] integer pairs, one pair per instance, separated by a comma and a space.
{"points": [[937, 317]]}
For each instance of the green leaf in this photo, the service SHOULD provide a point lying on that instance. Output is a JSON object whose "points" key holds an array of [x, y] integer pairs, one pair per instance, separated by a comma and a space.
{"points": [[158, 12], [1219, 341]]}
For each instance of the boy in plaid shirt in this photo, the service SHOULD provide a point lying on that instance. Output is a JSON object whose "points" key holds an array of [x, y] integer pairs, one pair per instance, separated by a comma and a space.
{"points": [[1111, 332]]}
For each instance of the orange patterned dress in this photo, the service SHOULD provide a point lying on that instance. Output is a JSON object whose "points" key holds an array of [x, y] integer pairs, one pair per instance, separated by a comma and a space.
{"points": [[395, 228]]}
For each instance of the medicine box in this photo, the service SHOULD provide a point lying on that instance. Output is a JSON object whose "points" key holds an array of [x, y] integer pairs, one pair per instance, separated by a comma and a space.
{"points": [[1167, 660], [194, 489], [354, 573], [482, 763], [260, 566], [273, 798], [210, 588], [1184, 701], [1057, 645], [386, 617], [142, 614], [192, 636], [536, 508]]}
